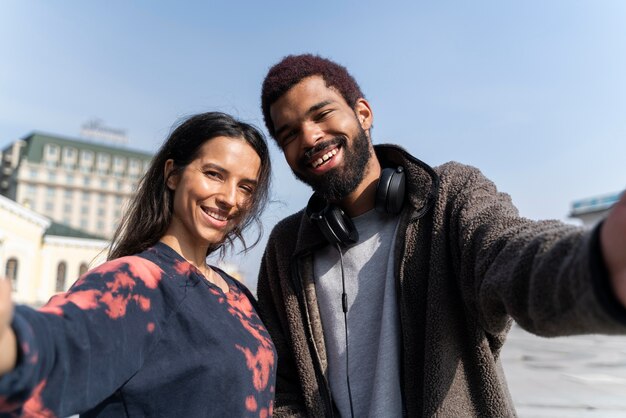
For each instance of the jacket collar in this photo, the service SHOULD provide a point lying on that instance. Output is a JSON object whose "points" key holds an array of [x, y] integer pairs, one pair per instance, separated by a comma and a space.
{"points": [[422, 184]]}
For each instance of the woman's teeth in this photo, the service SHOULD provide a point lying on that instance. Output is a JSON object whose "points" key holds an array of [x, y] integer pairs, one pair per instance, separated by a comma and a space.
{"points": [[215, 215], [324, 158]]}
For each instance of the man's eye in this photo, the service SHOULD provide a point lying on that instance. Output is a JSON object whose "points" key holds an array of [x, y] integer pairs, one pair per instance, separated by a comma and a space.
{"points": [[324, 114], [288, 138]]}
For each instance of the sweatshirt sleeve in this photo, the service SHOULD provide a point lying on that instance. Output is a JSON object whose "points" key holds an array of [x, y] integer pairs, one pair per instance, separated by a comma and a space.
{"points": [[83, 345], [539, 272], [288, 401]]}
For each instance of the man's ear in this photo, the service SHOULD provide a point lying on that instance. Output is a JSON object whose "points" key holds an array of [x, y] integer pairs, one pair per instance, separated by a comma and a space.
{"points": [[171, 181], [364, 114]]}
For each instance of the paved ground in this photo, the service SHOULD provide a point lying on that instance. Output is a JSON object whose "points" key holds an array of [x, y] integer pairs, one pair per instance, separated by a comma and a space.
{"points": [[574, 377]]}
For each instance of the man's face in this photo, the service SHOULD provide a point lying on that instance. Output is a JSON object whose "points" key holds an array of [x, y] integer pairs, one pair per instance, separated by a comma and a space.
{"points": [[324, 140]]}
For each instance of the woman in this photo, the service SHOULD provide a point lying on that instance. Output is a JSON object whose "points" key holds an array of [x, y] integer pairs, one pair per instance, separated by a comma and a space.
{"points": [[155, 331]]}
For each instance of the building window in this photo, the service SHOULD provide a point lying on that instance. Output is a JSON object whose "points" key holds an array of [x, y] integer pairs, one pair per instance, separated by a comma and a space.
{"points": [[69, 153], [68, 194], [102, 198], [60, 282], [86, 157], [118, 200], [50, 191], [104, 183], [103, 163], [67, 209], [70, 179], [34, 173], [84, 210], [11, 271], [49, 207], [86, 181], [86, 196], [100, 225], [83, 223], [118, 163], [82, 269], [101, 212], [52, 150], [52, 176], [31, 190]]}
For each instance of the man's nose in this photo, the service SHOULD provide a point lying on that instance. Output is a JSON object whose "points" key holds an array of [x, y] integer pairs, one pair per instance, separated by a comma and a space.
{"points": [[311, 133]]}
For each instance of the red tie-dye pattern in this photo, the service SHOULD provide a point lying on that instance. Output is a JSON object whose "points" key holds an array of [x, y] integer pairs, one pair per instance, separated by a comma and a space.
{"points": [[118, 295], [260, 364], [183, 267], [251, 404], [34, 406], [84, 299], [241, 308]]}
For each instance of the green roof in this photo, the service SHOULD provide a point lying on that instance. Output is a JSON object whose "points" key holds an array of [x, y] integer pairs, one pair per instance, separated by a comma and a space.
{"points": [[36, 142], [63, 230]]}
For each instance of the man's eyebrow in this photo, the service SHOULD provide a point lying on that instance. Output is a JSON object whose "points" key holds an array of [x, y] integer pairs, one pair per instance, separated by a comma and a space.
{"points": [[318, 106], [311, 109]]}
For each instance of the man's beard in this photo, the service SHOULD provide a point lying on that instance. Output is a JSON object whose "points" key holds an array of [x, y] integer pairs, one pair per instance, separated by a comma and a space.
{"points": [[338, 182]]}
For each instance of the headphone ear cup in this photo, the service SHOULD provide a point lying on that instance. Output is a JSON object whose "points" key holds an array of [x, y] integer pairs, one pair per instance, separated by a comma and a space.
{"points": [[340, 225], [390, 190], [334, 224]]}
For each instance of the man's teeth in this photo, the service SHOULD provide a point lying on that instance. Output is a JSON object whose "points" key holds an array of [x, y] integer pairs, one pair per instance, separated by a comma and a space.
{"points": [[324, 158]]}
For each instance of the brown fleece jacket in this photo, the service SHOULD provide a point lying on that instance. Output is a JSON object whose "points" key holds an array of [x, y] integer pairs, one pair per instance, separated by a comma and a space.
{"points": [[466, 265]]}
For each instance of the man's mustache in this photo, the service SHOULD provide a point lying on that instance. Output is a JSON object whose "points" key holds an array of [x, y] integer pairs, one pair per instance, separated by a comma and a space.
{"points": [[308, 154]]}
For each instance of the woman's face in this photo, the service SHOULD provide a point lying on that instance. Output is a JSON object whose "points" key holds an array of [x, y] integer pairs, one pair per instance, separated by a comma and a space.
{"points": [[211, 192]]}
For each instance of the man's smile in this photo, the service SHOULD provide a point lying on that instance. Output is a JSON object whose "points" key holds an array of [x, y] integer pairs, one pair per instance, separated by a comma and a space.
{"points": [[324, 158]]}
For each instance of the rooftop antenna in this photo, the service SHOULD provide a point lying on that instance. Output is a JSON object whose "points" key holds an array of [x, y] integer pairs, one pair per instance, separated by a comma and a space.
{"points": [[96, 130]]}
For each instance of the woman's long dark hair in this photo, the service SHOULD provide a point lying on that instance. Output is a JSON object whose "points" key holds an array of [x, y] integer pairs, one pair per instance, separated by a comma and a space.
{"points": [[150, 211]]}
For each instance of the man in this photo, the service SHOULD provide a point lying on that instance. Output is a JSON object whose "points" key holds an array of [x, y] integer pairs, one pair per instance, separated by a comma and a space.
{"points": [[408, 318]]}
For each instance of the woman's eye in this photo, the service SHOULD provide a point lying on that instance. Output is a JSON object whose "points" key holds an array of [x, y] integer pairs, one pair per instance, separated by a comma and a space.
{"points": [[247, 189], [212, 174]]}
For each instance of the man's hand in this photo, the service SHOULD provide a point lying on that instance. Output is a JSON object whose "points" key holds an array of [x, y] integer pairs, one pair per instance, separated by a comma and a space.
{"points": [[613, 243], [8, 343]]}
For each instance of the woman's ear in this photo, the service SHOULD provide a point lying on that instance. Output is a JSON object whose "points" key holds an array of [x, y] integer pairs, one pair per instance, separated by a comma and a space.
{"points": [[171, 180], [364, 114]]}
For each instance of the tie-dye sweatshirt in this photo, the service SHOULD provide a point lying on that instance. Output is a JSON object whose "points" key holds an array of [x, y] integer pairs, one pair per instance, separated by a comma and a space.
{"points": [[143, 335]]}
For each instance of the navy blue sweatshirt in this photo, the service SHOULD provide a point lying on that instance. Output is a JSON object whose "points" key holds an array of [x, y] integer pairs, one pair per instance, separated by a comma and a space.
{"points": [[143, 335]]}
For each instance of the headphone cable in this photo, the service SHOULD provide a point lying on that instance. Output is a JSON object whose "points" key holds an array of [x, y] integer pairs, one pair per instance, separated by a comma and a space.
{"points": [[344, 305]]}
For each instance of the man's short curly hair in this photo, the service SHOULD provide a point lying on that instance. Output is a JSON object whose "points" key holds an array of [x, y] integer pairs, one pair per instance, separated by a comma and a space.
{"points": [[293, 68]]}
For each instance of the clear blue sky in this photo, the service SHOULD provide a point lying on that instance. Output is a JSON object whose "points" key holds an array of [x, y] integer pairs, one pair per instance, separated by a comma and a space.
{"points": [[532, 92]]}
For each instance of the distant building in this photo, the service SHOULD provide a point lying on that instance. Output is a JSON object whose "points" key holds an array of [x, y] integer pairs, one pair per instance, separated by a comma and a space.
{"points": [[78, 183], [592, 210], [42, 257]]}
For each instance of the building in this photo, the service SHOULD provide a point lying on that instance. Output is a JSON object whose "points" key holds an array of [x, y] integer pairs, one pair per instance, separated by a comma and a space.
{"points": [[592, 210], [78, 183], [42, 257]]}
